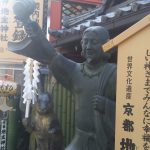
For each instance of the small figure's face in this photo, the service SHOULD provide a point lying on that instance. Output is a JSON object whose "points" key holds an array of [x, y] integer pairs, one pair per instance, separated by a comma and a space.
{"points": [[92, 47], [44, 104]]}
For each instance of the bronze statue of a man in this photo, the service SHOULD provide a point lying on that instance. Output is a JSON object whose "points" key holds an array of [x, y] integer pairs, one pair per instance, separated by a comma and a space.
{"points": [[93, 84]]}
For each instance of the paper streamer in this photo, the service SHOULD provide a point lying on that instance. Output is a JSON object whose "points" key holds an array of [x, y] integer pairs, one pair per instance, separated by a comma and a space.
{"points": [[31, 80]]}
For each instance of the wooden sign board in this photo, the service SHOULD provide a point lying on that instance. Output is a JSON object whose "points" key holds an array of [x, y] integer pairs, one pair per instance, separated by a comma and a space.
{"points": [[133, 87], [12, 30]]}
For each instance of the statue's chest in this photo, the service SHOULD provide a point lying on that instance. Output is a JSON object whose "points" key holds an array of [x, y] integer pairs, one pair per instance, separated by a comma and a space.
{"points": [[41, 123], [87, 85], [87, 82]]}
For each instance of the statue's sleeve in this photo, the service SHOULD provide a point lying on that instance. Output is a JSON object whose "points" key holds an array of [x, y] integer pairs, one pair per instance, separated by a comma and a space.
{"points": [[37, 47], [63, 70], [61, 67], [110, 108], [110, 105]]}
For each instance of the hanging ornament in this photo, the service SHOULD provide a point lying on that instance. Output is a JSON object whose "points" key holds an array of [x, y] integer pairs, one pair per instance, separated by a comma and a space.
{"points": [[31, 74], [35, 80], [7, 88]]}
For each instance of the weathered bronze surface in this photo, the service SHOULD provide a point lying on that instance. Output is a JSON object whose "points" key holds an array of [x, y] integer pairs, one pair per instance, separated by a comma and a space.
{"points": [[44, 124], [93, 83]]}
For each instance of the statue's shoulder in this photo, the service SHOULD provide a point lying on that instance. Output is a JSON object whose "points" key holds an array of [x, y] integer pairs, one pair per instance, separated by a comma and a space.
{"points": [[110, 70], [111, 65]]}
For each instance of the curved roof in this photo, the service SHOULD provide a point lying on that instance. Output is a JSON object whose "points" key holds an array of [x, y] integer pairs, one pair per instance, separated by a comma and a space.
{"points": [[121, 15]]}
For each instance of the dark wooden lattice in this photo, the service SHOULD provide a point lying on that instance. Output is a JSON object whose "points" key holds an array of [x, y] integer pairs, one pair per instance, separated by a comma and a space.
{"points": [[71, 9]]}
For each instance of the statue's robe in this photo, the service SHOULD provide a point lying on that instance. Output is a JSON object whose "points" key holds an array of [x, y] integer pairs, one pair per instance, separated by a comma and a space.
{"points": [[83, 86]]}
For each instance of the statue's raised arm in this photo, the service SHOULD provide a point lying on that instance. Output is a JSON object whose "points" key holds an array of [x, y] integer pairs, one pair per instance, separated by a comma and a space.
{"points": [[36, 46], [93, 82]]}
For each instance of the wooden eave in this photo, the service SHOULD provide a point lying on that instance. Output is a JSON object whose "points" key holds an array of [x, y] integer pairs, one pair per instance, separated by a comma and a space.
{"points": [[121, 19]]}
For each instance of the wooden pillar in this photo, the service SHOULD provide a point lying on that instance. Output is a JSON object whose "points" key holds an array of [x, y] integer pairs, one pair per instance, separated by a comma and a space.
{"points": [[55, 15]]}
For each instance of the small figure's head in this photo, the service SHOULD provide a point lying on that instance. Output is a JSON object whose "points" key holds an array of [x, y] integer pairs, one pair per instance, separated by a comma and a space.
{"points": [[44, 103], [92, 40]]}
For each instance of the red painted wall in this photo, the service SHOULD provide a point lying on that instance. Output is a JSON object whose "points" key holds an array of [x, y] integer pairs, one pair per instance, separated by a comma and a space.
{"points": [[55, 15], [56, 12]]}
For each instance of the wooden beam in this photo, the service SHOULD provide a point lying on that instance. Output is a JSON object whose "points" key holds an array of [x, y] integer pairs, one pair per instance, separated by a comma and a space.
{"points": [[127, 33], [92, 2]]}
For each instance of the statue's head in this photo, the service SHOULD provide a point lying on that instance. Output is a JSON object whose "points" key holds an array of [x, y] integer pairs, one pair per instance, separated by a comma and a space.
{"points": [[92, 40], [44, 103]]}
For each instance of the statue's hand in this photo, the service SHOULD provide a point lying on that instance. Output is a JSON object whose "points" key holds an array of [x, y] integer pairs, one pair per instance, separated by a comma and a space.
{"points": [[99, 103], [23, 9], [25, 122], [32, 28], [52, 131]]}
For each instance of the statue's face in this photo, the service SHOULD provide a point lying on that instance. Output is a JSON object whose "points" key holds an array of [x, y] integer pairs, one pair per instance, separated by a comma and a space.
{"points": [[92, 47], [44, 104]]}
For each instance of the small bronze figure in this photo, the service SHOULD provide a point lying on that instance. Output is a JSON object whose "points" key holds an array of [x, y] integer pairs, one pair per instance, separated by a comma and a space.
{"points": [[93, 83], [44, 124]]}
